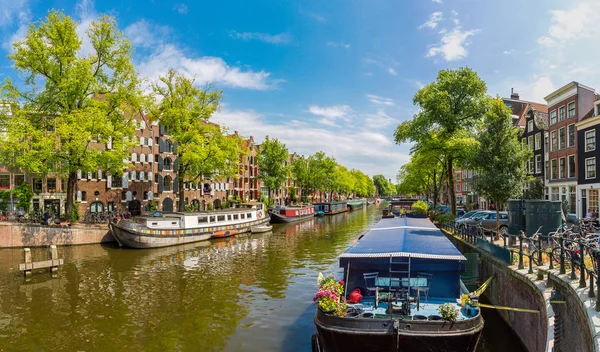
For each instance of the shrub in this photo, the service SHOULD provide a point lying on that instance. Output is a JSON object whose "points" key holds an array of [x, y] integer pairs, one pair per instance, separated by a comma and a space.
{"points": [[330, 298], [448, 312], [442, 218], [420, 207]]}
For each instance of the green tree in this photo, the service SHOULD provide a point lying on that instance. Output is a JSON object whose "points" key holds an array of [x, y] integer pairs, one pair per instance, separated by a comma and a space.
{"points": [[500, 160], [535, 189], [70, 99], [383, 185], [271, 163], [320, 171], [450, 109], [301, 176], [203, 148]]}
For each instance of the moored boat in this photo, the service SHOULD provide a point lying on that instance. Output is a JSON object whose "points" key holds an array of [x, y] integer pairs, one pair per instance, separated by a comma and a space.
{"points": [[261, 228], [282, 214], [331, 208], [409, 274], [355, 204], [168, 229]]}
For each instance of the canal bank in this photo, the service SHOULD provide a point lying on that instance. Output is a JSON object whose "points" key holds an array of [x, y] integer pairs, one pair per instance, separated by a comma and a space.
{"points": [[247, 293], [31, 235]]}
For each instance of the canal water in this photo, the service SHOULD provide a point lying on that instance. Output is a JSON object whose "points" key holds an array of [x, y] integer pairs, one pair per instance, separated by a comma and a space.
{"points": [[249, 293]]}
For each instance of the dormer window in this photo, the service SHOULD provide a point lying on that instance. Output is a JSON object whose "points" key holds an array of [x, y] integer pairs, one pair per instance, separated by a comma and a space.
{"points": [[530, 126]]}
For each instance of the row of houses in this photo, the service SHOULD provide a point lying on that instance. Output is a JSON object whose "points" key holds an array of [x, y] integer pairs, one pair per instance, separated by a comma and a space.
{"points": [[150, 176], [562, 133]]}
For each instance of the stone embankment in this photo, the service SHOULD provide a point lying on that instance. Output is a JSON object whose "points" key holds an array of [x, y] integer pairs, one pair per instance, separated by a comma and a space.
{"points": [[29, 235]]}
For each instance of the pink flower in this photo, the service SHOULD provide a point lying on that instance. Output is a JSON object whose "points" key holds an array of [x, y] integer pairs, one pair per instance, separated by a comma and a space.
{"points": [[342, 282]]}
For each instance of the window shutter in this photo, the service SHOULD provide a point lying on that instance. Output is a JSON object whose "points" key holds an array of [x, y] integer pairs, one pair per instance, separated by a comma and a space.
{"points": [[161, 129], [175, 145], [125, 180], [176, 165], [89, 175], [149, 142], [150, 158], [150, 177], [161, 186], [128, 196], [99, 174], [176, 185], [161, 146], [142, 174], [79, 196], [142, 140], [160, 163], [142, 158], [108, 181]]}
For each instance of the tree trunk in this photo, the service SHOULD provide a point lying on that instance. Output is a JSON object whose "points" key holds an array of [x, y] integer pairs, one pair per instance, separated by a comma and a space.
{"points": [[497, 222], [70, 195], [269, 200], [181, 191], [451, 187], [434, 196]]}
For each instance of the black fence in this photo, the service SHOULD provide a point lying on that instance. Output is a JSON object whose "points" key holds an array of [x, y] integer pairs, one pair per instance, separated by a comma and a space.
{"points": [[579, 253]]}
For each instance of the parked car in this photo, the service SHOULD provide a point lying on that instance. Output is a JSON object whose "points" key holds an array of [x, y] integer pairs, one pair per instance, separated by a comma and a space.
{"points": [[467, 214], [460, 212], [488, 220]]}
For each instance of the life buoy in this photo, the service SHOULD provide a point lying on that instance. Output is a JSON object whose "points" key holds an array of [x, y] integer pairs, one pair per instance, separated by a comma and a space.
{"points": [[260, 214]]}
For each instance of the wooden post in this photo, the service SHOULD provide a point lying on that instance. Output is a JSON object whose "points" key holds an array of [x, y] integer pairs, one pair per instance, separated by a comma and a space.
{"points": [[27, 260], [53, 258]]}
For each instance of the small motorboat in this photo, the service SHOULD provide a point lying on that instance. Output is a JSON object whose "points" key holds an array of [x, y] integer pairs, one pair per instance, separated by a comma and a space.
{"points": [[261, 228], [319, 213]]}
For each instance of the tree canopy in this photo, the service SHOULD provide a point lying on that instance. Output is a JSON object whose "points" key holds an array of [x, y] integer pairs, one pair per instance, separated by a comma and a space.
{"points": [[383, 186], [271, 163], [71, 97]]}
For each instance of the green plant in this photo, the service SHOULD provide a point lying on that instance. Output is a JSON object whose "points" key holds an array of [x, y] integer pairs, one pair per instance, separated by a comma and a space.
{"points": [[24, 194], [152, 205], [74, 212], [189, 207], [442, 218], [330, 298], [420, 207], [210, 206], [293, 196], [448, 312]]}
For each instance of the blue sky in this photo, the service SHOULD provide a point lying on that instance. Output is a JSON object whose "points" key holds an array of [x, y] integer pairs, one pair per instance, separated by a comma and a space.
{"points": [[336, 75]]}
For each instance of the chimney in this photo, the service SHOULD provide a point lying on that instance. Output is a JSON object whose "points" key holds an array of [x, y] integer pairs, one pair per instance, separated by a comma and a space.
{"points": [[514, 95]]}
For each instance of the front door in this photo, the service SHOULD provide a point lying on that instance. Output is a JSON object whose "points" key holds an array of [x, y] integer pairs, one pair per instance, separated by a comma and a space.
{"points": [[52, 206], [135, 208], [167, 204]]}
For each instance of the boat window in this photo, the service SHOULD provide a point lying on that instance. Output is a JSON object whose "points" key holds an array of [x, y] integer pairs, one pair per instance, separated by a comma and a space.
{"points": [[202, 219], [229, 217], [260, 206], [236, 217], [155, 223], [249, 215], [221, 218], [242, 216], [212, 219], [173, 222]]}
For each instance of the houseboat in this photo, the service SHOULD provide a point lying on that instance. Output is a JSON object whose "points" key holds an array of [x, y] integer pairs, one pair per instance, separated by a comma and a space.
{"points": [[399, 206], [331, 208], [281, 214], [355, 204], [405, 269], [168, 229]]}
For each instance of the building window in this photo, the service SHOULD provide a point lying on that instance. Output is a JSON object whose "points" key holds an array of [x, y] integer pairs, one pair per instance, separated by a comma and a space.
{"points": [[571, 140], [571, 166], [5, 181], [561, 113], [167, 164], [538, 141], [18, 179], [530, 126], [552, 117], [553, 170], [590, 140], [133, 157], [110, 206], [168, 184], [590, 168], [83, 196], [554, 193], [538, 164], [571, 108], [37, 185], [51, 185], [117, 181], [530, 142], [561, 168], [458, 176], [554, 142], [562, 138]]}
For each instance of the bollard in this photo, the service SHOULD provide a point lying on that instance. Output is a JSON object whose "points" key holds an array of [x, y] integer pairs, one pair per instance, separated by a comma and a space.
{"points": [[591, 293], [530, 264], [582, 282], [27, 260], [53, 257], [521, 266], [562, 255]]}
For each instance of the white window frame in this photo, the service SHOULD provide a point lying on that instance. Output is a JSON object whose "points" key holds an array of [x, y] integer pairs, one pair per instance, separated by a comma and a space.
{"points": [[553, 112], [569, 144], [586, 168], [565, 138], [538, 163], [564, 115], [530, 126], [553, 137], [553, 173], [564, 171], [538, 141], [593, 131], [569, 174], [569, 110], [530, 142]]}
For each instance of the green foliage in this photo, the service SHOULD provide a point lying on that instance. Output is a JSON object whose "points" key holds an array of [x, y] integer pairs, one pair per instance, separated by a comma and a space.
{"points": [[271, 163], [210, 206], [152, 205], [420, 207], [448, 312], [68, 98], [535, 190], [565, 206], [443, 218], [450, 111], [74, 212], [189, 208], [24, 194], [500, 160], [203, 148], [293, 196], [384, 186], [4, 194]]}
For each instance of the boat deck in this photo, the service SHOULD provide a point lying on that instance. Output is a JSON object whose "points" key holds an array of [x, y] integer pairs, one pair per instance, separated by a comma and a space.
{"points": [[426, 309]]}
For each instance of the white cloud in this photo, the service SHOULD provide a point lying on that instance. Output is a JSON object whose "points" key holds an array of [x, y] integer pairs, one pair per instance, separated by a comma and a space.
{"points": [[508, 52], [181, 8], [281, 38], [87, 14], [380, 118], [330, 114], [547, 41], [375, 99], [371, 151], [392, 72], [452, 45], [11, 10], [144, 34], [437, 1], [341, 44], [433, 20], [317, 17], [579, 21]]}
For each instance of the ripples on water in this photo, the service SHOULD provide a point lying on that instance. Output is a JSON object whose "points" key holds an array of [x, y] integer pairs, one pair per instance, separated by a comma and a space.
{"points": [[249, 293]]}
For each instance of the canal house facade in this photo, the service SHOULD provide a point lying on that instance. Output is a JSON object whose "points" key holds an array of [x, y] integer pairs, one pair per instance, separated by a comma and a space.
{"points": [[566, 106], [534, 126], [588, 130]]}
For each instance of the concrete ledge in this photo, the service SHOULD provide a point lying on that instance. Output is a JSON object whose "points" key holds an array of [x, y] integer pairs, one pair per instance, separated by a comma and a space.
{"points": [[28, 235]]}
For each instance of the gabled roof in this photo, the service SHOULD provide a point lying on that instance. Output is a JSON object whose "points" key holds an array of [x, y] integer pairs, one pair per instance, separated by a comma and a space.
{"points": [[541, 108]]}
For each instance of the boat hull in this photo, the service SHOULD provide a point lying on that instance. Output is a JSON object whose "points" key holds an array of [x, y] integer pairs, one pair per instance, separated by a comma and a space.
{"points": [[356, 334], [282, 219], [134, 239]]}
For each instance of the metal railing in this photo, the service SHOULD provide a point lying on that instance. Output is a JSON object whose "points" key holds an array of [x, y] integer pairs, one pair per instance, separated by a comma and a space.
{"points": [[556, 249]]}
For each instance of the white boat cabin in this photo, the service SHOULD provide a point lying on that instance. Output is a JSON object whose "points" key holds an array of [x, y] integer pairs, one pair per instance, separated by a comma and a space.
{"points": [[244, 212]]}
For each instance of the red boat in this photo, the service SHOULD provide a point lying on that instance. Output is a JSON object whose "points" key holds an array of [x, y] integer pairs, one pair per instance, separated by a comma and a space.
{"points": [[291, 214]]}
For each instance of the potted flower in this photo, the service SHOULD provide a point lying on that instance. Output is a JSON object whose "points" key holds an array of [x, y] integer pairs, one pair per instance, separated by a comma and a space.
{"points": [[448, 312], [330, 298]]}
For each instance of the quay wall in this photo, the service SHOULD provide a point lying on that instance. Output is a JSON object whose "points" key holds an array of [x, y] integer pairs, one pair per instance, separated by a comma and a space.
{"points": [[513, 287], [29, 235]]}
